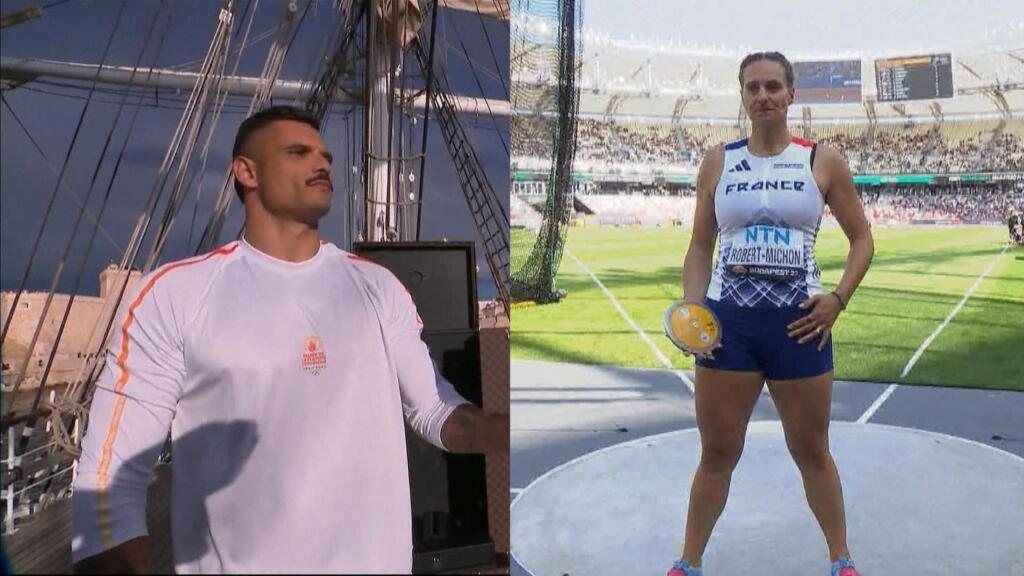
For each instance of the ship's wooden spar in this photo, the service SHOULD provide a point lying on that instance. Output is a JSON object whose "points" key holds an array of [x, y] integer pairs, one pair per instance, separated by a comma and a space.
{"points": [[14, 71]]}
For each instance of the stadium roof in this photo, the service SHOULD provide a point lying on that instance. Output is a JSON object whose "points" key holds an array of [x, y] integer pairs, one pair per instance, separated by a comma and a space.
{"points": [[643, 58], [810, 28]]}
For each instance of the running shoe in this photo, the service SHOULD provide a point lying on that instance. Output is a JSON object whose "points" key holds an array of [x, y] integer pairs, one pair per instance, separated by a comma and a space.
{"points": [[683, 568], [843, 567]]}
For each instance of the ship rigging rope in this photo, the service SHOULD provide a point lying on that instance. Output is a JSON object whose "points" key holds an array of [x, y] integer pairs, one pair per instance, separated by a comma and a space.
{"points": [[322, 59], [483, 70], [152, 98], [222, 199], [429, 83], [479, 87], [245, 12], [192, 124], [179, 190], [489, 191], [106, 198], [287, 30], [91, 361], [202, 85], [19, 379], [490, 48], [234, 51], [92, 365], [53, 4], [53, 169], [62, 412], [51, 355], [503, 15], [298, 25], [271, 70], [95, 365], [63, 168], [68, 412]]}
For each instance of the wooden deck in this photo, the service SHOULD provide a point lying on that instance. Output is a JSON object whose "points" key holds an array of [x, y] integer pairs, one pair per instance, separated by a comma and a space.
{"points": [[42, 545]]}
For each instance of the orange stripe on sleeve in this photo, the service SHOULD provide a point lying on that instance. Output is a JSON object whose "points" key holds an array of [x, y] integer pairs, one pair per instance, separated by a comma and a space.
{"points": [[103, 479]]}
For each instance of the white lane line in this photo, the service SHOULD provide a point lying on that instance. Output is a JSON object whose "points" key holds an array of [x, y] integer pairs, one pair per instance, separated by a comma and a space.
{"points": [[933, 335], [877, 404], [884, 396], [643, 335]]}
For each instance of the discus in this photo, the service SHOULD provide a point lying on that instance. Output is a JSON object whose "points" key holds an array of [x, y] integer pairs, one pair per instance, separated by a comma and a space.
{"points": [[692, 327]]}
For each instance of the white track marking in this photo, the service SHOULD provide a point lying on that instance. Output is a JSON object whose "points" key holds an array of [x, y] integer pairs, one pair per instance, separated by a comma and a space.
{"points": [[870, 412], [643, 335], [933, 335], [877, 404]]}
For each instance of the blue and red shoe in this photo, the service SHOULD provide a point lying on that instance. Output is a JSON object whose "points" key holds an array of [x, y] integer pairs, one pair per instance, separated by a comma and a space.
{"points": [[684, 568], [843, 567]]}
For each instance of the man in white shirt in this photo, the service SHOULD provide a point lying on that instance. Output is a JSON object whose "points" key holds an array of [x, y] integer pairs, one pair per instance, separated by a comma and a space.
{"points": [[284, 368]]}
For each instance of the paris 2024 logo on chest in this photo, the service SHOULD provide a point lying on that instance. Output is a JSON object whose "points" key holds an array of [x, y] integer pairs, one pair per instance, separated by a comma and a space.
{"points": [[313, 357]]}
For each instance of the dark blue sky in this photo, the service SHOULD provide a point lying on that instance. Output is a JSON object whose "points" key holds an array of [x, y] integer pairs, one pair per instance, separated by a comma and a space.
{"points": [[78, 30]]}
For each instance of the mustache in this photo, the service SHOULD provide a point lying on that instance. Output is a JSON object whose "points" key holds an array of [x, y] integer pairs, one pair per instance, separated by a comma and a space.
{"points": [[321, 177]]}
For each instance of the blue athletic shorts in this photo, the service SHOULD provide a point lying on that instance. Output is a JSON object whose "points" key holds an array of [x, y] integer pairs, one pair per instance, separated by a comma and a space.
{"points": [[754, 340]]}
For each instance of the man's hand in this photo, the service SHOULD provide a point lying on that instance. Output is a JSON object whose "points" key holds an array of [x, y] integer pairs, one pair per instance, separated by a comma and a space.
{"points": [[469, 429]]}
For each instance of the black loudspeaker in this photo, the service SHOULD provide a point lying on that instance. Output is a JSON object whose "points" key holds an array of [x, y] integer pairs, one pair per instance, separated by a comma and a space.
{"points": [[440, 276], [449, 491]]}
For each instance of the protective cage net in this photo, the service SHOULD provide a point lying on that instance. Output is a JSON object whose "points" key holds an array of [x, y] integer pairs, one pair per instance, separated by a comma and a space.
{"points": [[544, 98]]}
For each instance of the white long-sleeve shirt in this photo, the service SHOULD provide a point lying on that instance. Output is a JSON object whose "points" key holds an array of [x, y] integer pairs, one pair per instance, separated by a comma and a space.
{"points": [[285, 387]]}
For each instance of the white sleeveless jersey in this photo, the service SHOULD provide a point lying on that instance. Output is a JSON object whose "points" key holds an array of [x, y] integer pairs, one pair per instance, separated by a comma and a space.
{"points": [[285, 387], [768, 211]]}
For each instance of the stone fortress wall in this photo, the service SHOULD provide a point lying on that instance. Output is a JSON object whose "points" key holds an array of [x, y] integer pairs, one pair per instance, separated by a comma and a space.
{"points": [[81, 337]]}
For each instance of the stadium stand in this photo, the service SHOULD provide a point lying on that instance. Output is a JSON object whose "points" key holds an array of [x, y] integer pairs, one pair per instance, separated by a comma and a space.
{"points": [[911, 148], [648, 115]]}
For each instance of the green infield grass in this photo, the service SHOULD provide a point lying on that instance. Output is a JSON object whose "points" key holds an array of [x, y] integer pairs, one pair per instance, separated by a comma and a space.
{"points": [[918, 277]]}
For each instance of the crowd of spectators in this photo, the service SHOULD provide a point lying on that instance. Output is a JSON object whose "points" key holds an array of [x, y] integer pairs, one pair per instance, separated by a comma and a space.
{"points": [[647, 148], [929, 152], [531, 136], [954, 204], [624, 147]]}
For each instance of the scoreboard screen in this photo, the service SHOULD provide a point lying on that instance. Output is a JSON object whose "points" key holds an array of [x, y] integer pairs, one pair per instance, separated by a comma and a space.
{"points": [[925, 77], [827, 82]]}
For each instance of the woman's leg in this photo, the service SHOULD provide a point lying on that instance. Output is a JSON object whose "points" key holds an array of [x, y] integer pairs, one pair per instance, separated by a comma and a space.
{"points": [[724, 401], [804, 405]]}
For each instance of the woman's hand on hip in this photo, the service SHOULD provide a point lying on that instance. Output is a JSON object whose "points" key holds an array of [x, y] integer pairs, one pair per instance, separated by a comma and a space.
{"points": [[823, 309]]}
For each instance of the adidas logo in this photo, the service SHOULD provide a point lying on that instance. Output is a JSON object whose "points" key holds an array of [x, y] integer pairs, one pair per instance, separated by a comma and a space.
{"points": [[741, 167]]}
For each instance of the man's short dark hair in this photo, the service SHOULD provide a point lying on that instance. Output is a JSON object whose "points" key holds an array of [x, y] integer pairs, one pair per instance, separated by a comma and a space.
{"points": [[259, 120], [774, 57]]}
